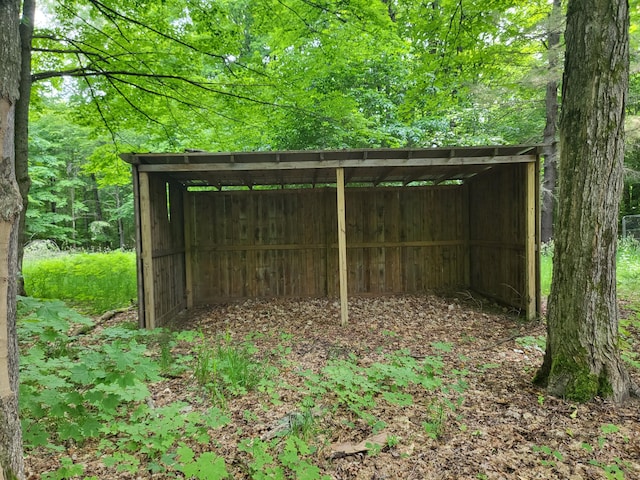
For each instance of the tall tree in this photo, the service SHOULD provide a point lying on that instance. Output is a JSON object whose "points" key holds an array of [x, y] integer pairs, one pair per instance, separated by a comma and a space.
{"points": [[582, 358], [551, 126], [22, 124], [11, 464]]}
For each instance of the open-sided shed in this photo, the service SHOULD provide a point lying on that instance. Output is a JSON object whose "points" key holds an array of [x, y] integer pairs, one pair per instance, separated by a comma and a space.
{"points": [[213, 227]]}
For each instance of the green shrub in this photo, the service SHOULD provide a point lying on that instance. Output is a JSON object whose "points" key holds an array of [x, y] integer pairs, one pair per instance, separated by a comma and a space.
{"points": [[73, 391], [226, 368], [93, 282]]}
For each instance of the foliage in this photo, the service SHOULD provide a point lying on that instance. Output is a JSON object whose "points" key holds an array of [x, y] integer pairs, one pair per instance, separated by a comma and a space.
{"points": [[550, 457], [74, 199], [291, 462], [628, 268], [361, 389], [224, 368], [75, 392], [63, 398], [95, 282]]}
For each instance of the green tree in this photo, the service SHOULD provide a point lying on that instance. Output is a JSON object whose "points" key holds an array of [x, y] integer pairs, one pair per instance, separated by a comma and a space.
{"points": [[11, 463], [582, 359]]}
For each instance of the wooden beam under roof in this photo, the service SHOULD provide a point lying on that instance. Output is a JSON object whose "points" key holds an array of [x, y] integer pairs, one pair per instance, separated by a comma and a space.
{"points": [[292, 167], [384, 174]]}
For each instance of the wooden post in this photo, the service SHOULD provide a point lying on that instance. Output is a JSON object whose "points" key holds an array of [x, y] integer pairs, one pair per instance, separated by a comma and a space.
{"points": [[342, 246], [139, 274], [146, 253], [531, 290]]}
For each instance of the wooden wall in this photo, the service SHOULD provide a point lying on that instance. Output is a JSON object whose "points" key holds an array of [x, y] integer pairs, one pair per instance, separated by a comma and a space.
{"points": [[284, 242], [162, 256], [502, 234]]}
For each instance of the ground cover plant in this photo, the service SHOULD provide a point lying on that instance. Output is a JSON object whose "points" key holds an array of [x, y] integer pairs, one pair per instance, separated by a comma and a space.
{"points": [[414, 387]]}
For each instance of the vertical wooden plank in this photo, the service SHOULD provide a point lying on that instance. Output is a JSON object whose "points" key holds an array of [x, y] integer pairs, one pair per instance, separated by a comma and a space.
{"points": [[188, 246], [139, 275], [465, 232], [538, 239], [342, 245], [531, 290], [146, 251]]}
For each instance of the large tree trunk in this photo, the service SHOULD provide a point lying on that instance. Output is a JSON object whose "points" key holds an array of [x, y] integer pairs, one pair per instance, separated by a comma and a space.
{"points": [[22, 127], [582, 358], [11, 463]]}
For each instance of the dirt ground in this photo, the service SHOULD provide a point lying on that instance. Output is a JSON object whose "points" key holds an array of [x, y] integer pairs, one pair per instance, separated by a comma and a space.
{"points": [[504, 428]]}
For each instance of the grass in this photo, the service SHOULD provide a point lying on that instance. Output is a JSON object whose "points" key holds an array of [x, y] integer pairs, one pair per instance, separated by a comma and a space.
{"points": [[92, 282], [628, 270]]}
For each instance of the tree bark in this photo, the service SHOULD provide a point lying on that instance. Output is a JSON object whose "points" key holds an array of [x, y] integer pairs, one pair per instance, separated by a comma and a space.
{"points": [[119, 216], [22, 127], [11, 463], [551, 126], [582, 358]]}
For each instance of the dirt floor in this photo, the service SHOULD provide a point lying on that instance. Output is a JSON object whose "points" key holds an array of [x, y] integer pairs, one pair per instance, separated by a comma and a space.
{"points": [[504, 427]]}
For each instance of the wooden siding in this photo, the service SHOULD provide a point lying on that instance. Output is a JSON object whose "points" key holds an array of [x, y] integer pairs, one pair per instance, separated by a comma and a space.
{"points": [[163, 251], [284, 242], [502, 218]]}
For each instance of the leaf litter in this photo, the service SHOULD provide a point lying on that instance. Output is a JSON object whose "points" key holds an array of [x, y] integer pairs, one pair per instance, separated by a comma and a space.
{"points": [[502, 427]]}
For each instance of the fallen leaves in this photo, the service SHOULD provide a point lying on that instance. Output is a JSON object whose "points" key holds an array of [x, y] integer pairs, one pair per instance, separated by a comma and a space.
{"points": [[502, 416], [376, 443]]}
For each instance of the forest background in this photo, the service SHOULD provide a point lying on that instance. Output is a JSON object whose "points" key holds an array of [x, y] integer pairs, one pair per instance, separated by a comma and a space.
{"points": [[111, 77], [239, 75]]}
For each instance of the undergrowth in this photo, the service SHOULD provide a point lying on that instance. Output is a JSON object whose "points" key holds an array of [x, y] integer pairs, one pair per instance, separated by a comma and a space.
{"points": [[84, 384], [73, 391], [91, 282]]}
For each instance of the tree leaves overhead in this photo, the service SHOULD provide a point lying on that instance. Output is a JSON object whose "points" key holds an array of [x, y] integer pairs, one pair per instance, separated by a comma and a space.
{"points": [[264, 74]]}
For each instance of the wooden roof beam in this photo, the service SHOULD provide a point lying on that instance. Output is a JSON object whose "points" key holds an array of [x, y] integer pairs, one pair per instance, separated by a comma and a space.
{"points": [[385, 174]]}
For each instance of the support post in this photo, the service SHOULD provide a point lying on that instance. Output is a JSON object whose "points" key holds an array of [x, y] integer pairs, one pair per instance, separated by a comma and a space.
{"points": [[531, 243], [146, 252], [342, 246]]}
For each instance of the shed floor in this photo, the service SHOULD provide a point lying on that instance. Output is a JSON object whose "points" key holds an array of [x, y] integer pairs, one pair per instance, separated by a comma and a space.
{"points": [[492, 434]]}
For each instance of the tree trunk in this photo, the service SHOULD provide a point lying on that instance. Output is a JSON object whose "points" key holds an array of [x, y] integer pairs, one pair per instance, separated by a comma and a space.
{"points": [[551, 126], [11, 463], [96, 198], [22, 127], [582, 358], [120, 223]]}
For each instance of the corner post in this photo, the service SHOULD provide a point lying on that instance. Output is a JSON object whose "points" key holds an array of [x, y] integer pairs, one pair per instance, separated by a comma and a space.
{"points": [[146, 252], [531, 241]]}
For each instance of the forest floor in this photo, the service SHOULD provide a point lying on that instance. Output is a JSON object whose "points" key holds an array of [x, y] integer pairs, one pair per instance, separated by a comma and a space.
{"points": [[486, 421]]}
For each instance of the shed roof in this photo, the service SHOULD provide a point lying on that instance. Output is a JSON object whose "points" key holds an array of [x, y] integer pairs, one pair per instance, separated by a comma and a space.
{"points": [[371, 166]]}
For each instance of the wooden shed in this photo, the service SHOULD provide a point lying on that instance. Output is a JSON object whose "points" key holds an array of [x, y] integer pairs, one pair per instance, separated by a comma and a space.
{"points": [[217, 227]]}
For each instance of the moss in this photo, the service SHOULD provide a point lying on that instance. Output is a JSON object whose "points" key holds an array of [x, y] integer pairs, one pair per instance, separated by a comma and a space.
{"points": [[584, 387], [573, 380]]}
